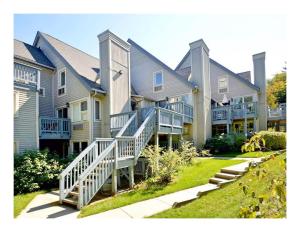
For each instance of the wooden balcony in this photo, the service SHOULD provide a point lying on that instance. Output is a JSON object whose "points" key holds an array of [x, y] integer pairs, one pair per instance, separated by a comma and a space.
{"points": [[225, 114], [26, 75], [55, 128], [277, 114], [169, 121], [182, 108]]}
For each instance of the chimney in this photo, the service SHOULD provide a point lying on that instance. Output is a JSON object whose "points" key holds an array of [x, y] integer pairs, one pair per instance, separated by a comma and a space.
{"points": [[261, 82], [246, 75], [115, 76], [200, 75]]}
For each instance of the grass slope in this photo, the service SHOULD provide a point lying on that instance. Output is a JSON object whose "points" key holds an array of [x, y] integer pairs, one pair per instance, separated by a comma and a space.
{"points": [[22, 200], [196, 174], [255, 154], [226, 202]]}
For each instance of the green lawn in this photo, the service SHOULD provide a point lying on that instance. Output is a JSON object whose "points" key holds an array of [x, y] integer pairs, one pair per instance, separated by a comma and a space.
{"points": [[191, 176], [22, 200], [226, 202], [236, 154]]}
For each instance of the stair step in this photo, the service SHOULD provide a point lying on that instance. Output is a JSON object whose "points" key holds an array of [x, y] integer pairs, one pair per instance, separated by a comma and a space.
{"points": [[219, 181], [233, 171], [74, 193], [70, 201], [226, 176]]}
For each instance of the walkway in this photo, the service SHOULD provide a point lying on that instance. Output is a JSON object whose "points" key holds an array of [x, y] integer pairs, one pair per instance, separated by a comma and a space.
{"points": [[47, 206]]}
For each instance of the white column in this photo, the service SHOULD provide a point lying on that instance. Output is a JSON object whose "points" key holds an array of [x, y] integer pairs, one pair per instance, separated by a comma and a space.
{"points": [[131, 176]]}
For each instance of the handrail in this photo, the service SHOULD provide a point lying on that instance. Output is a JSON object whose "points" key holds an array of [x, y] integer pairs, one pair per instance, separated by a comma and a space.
{"points": [[133, 117]]}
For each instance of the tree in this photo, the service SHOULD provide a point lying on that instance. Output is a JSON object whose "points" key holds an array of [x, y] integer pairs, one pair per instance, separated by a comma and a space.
{"points": [[276, 90]]}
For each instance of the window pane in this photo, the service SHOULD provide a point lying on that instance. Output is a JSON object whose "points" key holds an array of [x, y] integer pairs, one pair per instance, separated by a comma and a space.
{"points": [[83, 145], [76, 112], [62, 78], [84, 106], [59, 113], [248, 99], [158, 78], [97, 110], [76, 149]]}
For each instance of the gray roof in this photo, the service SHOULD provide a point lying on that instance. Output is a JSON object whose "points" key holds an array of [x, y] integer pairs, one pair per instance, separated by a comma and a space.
{"points": [[186, 71], [156, 60], [85, 65], [31, 54]]}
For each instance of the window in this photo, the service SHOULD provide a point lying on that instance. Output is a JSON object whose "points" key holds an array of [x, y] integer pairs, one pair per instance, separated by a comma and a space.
{"points": [[16, 104], [79, 146], [61, 83], [42, 92], [158, 81], [62, 112], [80, 111], [97, 110], [223, 85]]}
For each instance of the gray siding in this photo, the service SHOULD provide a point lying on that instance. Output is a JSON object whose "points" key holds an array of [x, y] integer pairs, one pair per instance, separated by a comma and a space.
{"points": [[142, 69], [25, 125], [46, 102], [82, 134], [75, 89], [235, 86]]}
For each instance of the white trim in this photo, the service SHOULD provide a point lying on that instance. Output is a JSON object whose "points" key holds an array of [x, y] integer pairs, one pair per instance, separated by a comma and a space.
{"points": [[44, 92], [72, 108], [90, 117], [30, 66], [162, 84], [100, 110], [37, 122], [16, 103], [59, 86]]}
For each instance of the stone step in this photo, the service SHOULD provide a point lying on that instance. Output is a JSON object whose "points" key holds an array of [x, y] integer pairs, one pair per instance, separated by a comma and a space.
{"points": [[219, 181], [226, 176], [207, 188], [233, 171], [70, 201]]}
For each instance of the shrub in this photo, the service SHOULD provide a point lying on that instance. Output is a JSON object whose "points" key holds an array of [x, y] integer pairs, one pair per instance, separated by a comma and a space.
{"points": [[225, 143], [36, 170], [274, 140], [255, 143], [163, 165], [187, 152]]}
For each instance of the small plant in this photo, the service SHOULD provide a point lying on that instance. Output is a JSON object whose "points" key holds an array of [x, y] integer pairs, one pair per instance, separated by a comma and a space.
{"points": [[162, 164], [255, 143], [187, 152]]}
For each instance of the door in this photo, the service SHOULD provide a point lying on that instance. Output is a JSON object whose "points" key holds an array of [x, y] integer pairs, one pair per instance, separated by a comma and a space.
{"points": [[62, 112]]}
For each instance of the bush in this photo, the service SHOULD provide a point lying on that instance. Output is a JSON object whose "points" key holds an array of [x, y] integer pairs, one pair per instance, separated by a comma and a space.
{"points": [[36, 170], [163, 165], [274, 140], [255, 143], [187, 152], [225, 143]]}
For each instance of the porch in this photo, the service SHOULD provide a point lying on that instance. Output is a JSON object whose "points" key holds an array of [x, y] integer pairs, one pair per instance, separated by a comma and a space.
{"points": [[278, 113], [54, 128]]}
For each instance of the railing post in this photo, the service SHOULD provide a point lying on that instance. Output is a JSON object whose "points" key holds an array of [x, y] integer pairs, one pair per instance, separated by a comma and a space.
{"points": [[80, 197], [61, 189], [114, 175]]}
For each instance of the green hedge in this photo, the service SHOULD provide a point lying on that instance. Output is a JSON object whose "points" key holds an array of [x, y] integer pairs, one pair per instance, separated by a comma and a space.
{"points": [[37, 170], [274, 140], [225, 143]]}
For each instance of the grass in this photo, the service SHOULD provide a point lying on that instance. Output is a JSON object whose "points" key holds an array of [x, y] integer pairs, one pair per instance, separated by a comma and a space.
{"points": [[22, 200], [236, 154], [226, 202], [196, 174]]}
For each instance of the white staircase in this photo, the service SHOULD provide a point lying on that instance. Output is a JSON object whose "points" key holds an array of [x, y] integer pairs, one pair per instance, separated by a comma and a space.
{"points": [[83, 178]]}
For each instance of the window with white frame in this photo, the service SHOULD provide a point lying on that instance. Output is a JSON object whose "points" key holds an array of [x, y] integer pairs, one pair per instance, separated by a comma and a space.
{"points": [[16, 104], [42, 92], [79, 111], [223, 85], [97, 110], [79, 146], [158, 81], [61, 90]]}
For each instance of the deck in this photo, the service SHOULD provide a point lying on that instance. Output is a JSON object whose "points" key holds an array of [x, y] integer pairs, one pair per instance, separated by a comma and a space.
{"points": [[55, 128], [277, 114]]}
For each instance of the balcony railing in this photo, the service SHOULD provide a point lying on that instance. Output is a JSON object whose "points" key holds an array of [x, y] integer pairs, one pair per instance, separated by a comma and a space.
{"points": [[278, 113], [55, 128], [238, 111], [182, 108], [25, 74]]}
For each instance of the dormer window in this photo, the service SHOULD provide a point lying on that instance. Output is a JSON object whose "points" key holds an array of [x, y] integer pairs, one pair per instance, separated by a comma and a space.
{"points": [[223, 85], [61, 90], [158, 81]]}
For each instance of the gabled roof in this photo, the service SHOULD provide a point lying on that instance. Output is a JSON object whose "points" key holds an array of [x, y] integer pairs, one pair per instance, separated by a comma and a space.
{"points": [[156, 60], [221, 67], [31, 54], [85, 65]]}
